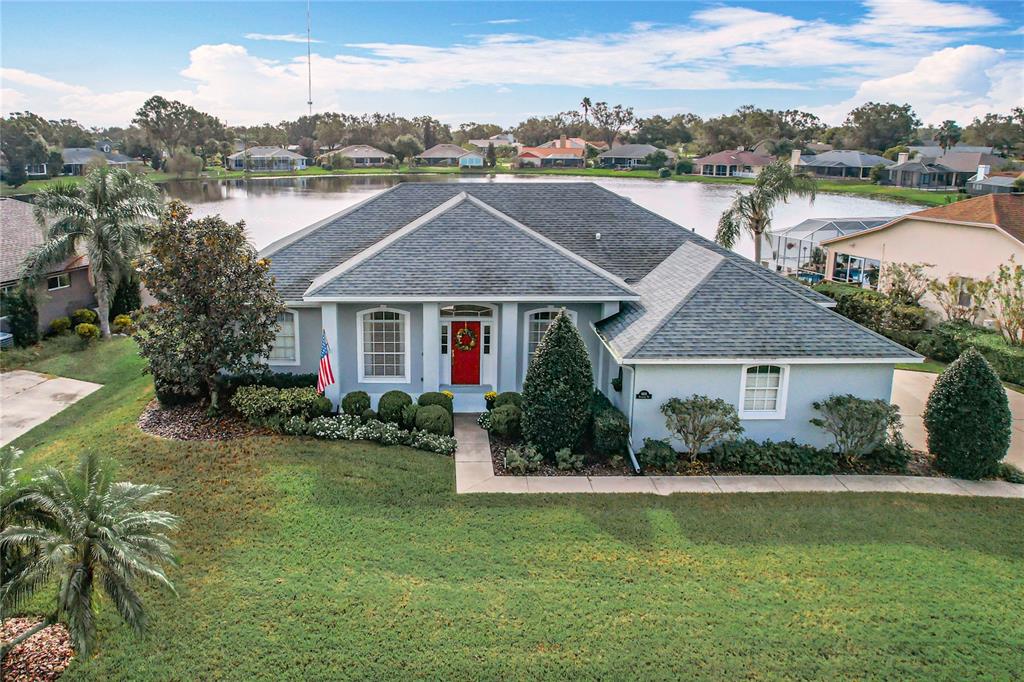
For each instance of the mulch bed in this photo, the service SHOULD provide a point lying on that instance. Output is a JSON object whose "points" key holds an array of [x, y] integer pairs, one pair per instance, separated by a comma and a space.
{"points": [[921, 464], [41, 657], [190, 422]]}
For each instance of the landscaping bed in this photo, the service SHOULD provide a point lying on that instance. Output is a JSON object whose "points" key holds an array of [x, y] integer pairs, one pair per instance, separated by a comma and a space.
{"points": [[192, 422], [40, 658]]}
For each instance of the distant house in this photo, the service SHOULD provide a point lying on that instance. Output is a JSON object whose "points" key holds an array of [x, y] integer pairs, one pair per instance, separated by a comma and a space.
{"points": [[552, 157], [967, 239], [983, 183], [576, 143], [953, 169], [935, 151], [266, 159], [731, 162], [630, 155], [77, 158], [818, 147], [796, 250], [67, 286], [499, 140], [364, 156], [449, 155], [838, 163]]}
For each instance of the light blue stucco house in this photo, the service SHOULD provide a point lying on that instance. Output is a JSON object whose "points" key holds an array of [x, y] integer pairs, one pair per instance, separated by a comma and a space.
{"points": [[450, 286]]}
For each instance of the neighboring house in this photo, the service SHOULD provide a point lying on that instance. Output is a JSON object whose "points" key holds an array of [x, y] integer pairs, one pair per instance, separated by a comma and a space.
{"points": [[663, 312], [576, 143], [631, 155], [731, 162], [499, 140], [838, 163], [954, 169], [450, 155], [266, 159], [934, 151], [968, 238], [818, 147], [983, 183], [67, 286], [552, 157], [77, 158], [796, 250], [364, 156]]}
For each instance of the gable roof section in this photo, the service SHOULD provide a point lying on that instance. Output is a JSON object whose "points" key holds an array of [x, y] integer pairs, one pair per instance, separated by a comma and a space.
{"points": [[19, 234], [733, 314], [554, 152], [731, 156], [445, 151], [360, 151], [465, 248], [263, 152], [633, 151], [844, 158]]}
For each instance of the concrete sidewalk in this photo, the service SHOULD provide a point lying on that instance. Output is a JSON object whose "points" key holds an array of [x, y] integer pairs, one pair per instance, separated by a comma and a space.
{"points": [[474, 473], [27, 399], [910, 391]]}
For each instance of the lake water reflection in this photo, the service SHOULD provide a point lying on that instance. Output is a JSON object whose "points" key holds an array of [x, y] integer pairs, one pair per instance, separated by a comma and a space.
{"points": [[274, 207]]}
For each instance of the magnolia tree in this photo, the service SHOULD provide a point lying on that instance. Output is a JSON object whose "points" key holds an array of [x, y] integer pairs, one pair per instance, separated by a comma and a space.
{"points": [[700, 422], [960, 298], [905, 283], [217, 306]]}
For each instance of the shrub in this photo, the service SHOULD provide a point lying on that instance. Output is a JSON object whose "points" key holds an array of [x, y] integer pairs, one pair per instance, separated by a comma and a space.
{"points": [[522, 461], [700, 421], [122, 324], [905, 283], [906, 318], [557, 390], [84, 316], [434, 419], [273, 379], [1010, 473], [787, 457], [890, 455], [565, 460], [857, 425], [664, 173], [657, 454], [506, 421], [968, 418], [269, 406], [611, 432], [127, 297], [355, 403], [431, 442], [684, 166], [340, 427], [19, 307], [938, 346], [295, 426], [368, 415], [391, 405], [484, 420], [435, 398], [61, 325], [409, 415], [508, 398], [87, 332]]}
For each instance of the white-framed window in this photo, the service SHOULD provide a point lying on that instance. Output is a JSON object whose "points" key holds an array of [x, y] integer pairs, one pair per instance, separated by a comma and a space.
{"points": [[8, 289], [285, 350], [384, 346], [61, 281], [486, 341], [444, 338], [537, 323], [763, 390]]}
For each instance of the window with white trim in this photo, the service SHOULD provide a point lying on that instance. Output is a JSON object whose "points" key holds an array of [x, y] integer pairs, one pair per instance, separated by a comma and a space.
{"points": [[444, 339], [537, 323], [487, 339], [8, 289], [61, 281], [763, 392], [383, 352], [285, 348]]}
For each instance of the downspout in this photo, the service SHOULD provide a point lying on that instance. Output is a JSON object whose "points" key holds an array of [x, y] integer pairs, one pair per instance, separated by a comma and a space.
{"points": [[632, 401]]}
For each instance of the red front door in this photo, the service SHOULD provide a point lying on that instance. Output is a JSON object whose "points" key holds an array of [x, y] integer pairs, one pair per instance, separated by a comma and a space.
{"points": [[465, 360]]}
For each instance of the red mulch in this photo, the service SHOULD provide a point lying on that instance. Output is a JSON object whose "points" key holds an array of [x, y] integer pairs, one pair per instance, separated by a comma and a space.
{"points": [[190, 422], [41, 657]]}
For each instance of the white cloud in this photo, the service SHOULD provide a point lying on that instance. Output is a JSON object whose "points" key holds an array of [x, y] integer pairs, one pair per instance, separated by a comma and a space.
{"points": [[505, 21], [904, 14], [281, 37]]}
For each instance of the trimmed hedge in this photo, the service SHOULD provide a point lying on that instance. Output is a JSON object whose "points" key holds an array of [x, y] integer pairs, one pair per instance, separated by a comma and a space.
{"points": [[434, 419], [273, 407], [87, 332], [435, 398], [657, 454], [355, 403], [610, 428], [947, 341], [509, 398], [769, 457], [506, 421], [391, 405]]}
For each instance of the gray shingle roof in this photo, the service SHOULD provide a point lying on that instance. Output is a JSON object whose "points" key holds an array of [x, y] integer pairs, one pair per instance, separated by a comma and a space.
{"points": [[75, 156], [445, 151], [733, 313], [633, 151], [267, 152], [633, 239], [362, 151], [844, 157], [484, 254]]}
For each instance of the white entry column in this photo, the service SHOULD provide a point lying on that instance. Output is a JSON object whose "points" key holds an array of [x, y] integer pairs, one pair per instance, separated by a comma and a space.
{"points": [[431, 347], [329, 319], [508, 360]]}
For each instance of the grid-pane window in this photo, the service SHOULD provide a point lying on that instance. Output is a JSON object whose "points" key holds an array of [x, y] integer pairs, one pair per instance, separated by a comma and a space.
{"points": [[384, 344], [284, 340], [539, 323], [61, 281], [761, 391], [444, 339], [487, 339]]}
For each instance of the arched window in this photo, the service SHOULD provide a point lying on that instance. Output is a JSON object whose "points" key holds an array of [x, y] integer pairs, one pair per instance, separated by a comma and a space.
{"points": [[537, 323], [285, 350], [384, 346], [763, 392]]}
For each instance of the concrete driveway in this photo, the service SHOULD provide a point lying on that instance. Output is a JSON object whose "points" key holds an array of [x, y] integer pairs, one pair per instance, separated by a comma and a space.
{"points": [[29, 398], [910, 391]]}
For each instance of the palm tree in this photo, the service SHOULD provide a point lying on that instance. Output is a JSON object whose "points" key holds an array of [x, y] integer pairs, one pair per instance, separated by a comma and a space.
{"points": [[105, 215], [88, 527], [586, 105], [753, 211]]}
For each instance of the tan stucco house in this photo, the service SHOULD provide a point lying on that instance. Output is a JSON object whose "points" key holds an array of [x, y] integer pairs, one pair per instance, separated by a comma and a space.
{"points": [[969, 239]]}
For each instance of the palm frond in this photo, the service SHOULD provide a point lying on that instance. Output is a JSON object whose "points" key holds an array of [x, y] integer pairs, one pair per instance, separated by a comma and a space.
{"points": [[41, 260]]}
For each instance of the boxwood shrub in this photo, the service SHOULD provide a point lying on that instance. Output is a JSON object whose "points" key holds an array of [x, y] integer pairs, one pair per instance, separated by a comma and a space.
{"points": [[509, 398], [506, 421], [273, 407], [657, 454], [391, 405], [355, 403], [434, 419], [435, 398], [610, 428], [747, 456]]}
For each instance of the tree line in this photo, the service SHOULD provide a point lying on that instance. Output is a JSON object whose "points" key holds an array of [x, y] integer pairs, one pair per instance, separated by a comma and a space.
{"points": [[172, 135]]}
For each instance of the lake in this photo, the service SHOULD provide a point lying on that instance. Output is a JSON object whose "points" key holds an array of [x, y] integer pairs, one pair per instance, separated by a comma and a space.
{"points": [[274, 207]]}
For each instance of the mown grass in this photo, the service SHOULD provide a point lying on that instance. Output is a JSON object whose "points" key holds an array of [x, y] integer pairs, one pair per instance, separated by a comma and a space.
{"points": [[308, 560]]}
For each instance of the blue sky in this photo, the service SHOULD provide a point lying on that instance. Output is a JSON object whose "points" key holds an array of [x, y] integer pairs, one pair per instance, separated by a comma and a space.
{"points": [[501, 62]]}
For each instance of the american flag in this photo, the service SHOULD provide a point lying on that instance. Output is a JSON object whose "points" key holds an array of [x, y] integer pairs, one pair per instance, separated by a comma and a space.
{"points": [[325, 377]]}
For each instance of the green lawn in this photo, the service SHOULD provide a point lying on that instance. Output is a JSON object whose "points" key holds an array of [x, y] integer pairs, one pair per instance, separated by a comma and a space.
{"points": [[307, 560], [935, 367]]}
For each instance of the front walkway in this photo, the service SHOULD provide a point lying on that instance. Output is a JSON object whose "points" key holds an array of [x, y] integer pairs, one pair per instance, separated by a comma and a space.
{"points": [[910, 391], [27, 399], [474, 473]]}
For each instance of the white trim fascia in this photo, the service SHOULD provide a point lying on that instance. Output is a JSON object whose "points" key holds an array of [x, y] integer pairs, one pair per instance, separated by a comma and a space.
{"points": [[284, 241], [575, 257], [298, 344], [465, 299], [379, 246], [912, 216], [781, 397], [604, 342], [406, 337], [774, 361]]}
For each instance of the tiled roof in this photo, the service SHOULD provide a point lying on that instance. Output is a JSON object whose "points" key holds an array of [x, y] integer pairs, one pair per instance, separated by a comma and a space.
{"points": [[546, 152], [1003, 210], [734, 313], [734, 156], [19, 234], [468, 249]]}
